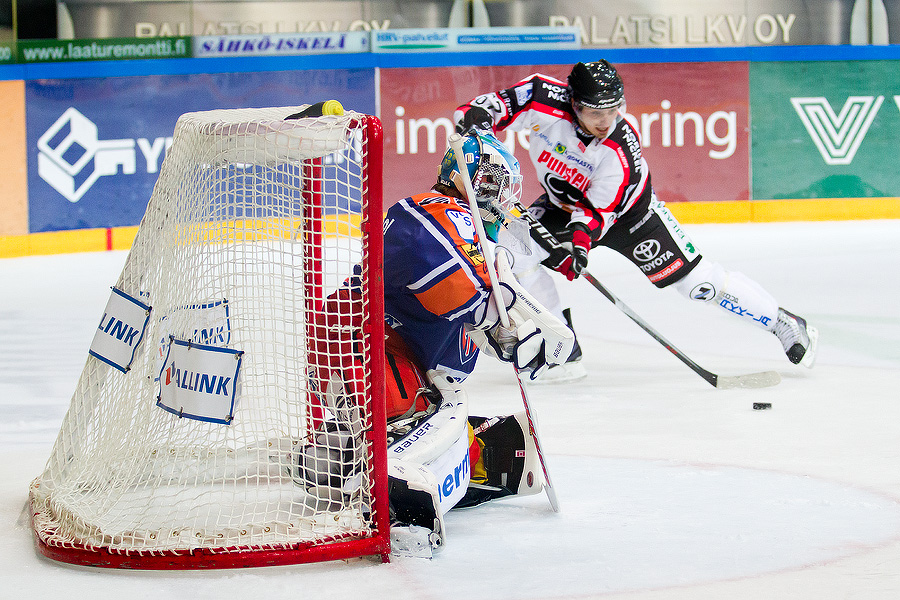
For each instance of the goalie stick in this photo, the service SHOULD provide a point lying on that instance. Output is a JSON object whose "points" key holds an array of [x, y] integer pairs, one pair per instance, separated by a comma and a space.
{"points": [[456, 142], [749, 380]]}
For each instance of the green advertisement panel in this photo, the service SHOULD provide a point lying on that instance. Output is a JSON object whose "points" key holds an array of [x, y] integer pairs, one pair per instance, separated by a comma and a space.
{"points": [[36, 51], [825, 129]]}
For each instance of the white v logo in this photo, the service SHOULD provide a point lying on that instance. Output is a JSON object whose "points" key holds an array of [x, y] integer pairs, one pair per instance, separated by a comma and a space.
{"points": [[837, 136]]}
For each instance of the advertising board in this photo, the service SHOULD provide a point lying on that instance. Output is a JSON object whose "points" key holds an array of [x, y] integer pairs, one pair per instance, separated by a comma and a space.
{"points": [[95, 145], [825, 130], [602, 23], [693, 119]]}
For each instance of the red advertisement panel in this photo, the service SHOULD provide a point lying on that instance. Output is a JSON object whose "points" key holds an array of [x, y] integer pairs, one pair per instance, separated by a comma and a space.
{"points": [[693, 119]]}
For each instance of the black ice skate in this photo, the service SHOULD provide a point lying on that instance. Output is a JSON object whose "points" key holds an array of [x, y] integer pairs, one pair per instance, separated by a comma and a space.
{"points": [[797, 337]]}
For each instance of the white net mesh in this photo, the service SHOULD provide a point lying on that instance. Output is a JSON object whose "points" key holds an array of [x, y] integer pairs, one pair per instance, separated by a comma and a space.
{"points": [[254, 222]]}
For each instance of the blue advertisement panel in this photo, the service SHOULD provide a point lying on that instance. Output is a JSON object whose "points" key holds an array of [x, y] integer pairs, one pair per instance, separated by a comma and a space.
{"points": [[95, 145]]}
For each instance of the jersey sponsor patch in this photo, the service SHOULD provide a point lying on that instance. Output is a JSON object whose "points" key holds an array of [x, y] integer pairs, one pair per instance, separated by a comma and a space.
{"points": [[555, 92], [571, 174], [473, 253], [463, 223], [657, 261], [467, 349], [646, 250], [681, 239], [523, 93], [666, 272], [703, 291]]}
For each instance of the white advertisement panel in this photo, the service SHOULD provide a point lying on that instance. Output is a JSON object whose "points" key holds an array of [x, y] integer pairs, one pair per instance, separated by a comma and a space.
{"points": [[200, 382], [121, 330]]}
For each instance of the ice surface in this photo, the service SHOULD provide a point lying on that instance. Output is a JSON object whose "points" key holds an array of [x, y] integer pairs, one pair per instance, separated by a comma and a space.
{"points": [[669, 488]]}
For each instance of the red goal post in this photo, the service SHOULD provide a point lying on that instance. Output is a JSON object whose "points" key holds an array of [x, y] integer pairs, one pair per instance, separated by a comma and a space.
{"points": [[180, 446]]}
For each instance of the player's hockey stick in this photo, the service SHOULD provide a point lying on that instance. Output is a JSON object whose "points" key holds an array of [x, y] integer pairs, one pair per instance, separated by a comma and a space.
{"points": [[456, 142], [749, 380]]}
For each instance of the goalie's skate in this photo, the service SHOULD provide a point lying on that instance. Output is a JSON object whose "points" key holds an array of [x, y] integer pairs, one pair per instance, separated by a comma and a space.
{"points": [[798, 338]]}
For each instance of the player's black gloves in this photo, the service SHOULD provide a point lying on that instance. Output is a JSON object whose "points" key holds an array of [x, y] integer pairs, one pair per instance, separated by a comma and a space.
{"points": [[571, 260], [474, 120]]}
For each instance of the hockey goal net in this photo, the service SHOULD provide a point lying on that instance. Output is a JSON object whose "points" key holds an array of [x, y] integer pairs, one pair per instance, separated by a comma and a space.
{"points": [[203, 387]]}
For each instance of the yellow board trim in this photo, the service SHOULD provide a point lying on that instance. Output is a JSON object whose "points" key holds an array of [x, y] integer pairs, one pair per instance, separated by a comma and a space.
{"points": [[771, 211], [740, 211]]}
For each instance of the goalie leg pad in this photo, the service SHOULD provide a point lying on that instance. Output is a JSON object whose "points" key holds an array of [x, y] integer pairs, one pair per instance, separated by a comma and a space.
{"points": [[509, 463], [440, 442], [415, 501], [433, 436]]}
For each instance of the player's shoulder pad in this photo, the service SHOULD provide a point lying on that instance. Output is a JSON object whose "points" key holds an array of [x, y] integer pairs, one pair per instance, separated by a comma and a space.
{"points": [[450, 218], [435, 203], [535, 88], [536, 78], [627, 134]]}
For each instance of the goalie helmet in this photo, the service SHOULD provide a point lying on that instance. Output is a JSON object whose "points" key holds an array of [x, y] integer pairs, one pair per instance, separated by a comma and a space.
{"points": [[495, 176], [596, 85]]}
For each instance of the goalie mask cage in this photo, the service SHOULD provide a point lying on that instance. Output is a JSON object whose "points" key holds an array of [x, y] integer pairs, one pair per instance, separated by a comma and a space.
{"points": [[255, 220]]}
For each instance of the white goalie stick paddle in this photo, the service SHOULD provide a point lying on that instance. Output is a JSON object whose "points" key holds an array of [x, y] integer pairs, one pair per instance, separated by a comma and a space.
{"points": [[456, 142], [749, 380], [551, 491]]}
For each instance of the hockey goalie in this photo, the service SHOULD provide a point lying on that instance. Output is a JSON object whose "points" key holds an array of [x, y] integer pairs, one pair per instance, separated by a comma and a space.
{"points": [[440, 313]]}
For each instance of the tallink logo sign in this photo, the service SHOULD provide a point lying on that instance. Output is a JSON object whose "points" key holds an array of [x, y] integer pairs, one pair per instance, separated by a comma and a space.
{"points": [[838, 135], [72, 157]]}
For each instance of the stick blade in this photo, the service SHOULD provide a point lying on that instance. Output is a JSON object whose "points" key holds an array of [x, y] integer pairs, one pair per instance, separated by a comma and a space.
{"points": [[532, 430], [551, 495], [749, 381]]}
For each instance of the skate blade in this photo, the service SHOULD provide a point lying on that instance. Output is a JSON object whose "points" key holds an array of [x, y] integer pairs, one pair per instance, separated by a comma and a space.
{"points": [[411, 541], [809, 357]]}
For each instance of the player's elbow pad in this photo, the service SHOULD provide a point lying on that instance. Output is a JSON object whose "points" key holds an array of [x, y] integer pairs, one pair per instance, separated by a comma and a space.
{"points": [[475, 119]]}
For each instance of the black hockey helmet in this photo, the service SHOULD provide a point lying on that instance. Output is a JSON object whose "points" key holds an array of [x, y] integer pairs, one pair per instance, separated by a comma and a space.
{"points": [[596, 85]]}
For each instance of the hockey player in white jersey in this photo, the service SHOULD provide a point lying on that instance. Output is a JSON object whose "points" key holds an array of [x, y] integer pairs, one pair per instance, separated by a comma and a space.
{"points": [[598, 192]]}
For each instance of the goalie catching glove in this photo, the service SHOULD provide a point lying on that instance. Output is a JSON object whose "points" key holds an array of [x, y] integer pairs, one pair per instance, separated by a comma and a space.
{"points": [[535, 339]]}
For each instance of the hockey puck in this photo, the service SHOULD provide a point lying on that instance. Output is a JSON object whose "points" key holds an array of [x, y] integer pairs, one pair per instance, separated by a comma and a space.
{"points": [[762, 405]]}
